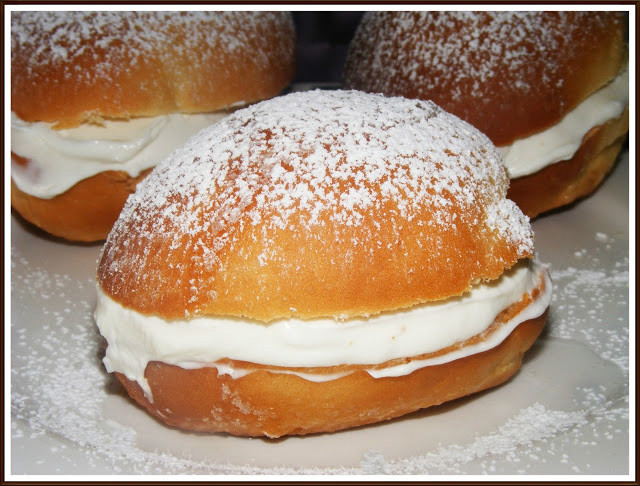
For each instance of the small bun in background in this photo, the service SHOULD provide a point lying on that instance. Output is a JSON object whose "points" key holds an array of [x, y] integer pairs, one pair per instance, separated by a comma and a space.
{"points": [[549, 88], [114, 92]]}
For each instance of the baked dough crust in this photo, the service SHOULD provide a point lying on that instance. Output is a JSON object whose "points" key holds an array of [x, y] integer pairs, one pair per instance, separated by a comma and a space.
{"points": [[242, 229], [145, 64], [85, 212], [274, 404], [467, 63], [511, 75]]}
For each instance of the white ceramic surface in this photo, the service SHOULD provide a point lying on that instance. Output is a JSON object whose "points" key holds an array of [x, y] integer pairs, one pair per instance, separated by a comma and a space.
{"points": [[566, 412]]}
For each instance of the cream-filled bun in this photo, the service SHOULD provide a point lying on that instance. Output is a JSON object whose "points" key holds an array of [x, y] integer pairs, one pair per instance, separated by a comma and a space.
{"points": [[550, 89], [318, 261], [99, 98]]}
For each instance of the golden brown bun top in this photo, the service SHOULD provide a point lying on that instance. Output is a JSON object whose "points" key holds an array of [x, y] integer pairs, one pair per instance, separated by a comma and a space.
{"points": [[510, 74], [321, 203], [72, 67]]}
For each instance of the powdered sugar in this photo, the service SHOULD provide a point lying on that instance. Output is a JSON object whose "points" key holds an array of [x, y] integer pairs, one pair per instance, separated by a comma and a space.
{"points": [[508, 73], [325, 139], [497, 47], [62, 37], [583, 297], [538, 422], [323, 159]]}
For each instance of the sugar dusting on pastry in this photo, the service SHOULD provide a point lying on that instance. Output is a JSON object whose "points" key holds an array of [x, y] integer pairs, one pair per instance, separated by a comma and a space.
{"points": [[55, 37], [344, 173], [296, 159], [494, 46]]}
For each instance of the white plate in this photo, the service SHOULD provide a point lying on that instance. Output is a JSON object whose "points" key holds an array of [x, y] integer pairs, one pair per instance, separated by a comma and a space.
{"points": [[565, 412]]}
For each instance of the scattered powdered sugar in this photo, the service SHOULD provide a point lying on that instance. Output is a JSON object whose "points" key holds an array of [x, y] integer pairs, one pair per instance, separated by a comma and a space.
{"points": [[534, 436], [538, 422], [581, 306], [60, 388]]}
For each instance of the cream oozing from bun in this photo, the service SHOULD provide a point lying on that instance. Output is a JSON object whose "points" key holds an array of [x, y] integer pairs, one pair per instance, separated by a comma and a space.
{"points": [[58, 159], [561, 141], [136, 339]]}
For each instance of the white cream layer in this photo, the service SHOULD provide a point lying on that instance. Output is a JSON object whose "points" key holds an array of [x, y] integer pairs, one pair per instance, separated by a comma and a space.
{"points": [[61, 158], [561, 141], [135, 339]]}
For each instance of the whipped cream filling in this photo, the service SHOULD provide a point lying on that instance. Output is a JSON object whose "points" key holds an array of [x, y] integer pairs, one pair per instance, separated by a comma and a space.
{"points": [[59, 159], [135, 339], [561, 141]]}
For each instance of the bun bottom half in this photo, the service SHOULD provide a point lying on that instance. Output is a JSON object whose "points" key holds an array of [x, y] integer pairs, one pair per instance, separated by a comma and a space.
{"points": [[85, 212], [275, 404], [564, 182]]}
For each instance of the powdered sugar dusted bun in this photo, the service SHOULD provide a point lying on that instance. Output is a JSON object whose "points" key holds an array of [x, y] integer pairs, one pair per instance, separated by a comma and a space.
{"points": [[513, 75], [69, 68], [317, 204], [510, 74], [302, 217], [167, 74]]}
